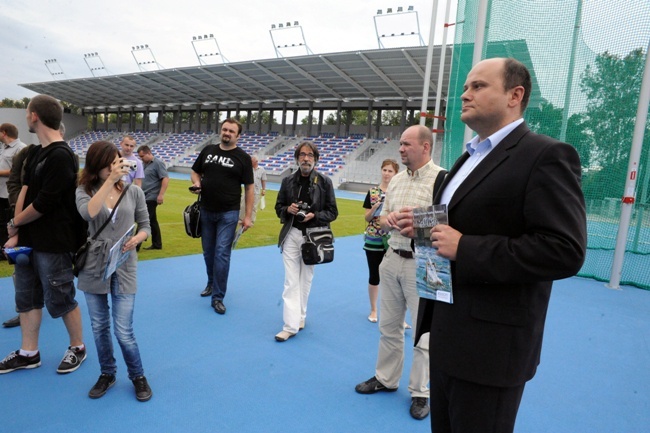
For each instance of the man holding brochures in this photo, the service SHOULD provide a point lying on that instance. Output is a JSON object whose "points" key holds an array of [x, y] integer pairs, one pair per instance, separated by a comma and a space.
{"points": [[112, 209], [516, 223], [397, 288]]}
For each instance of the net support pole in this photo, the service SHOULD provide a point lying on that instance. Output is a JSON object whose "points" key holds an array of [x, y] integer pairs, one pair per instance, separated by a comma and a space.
{"points": [[629, 193], [572, 60], [441, 72], [427, 70], [479, 42]]}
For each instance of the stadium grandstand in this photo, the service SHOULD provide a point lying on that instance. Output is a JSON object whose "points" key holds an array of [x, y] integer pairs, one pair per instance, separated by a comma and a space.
{"points": [[374, 81]]}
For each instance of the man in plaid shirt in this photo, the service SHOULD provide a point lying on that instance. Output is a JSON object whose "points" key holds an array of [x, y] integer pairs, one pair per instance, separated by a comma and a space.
{"points": [[407, 190]]}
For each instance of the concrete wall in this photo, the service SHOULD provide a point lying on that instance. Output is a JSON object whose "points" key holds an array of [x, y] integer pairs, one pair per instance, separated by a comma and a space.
{"points": [[74, 124]]}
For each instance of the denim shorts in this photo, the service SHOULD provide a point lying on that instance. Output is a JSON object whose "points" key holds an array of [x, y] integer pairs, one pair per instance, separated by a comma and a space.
{"points": [[47, 280]]}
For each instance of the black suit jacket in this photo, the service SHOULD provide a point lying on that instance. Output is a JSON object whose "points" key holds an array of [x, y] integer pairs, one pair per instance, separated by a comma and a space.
{"points": [[522, 215]]}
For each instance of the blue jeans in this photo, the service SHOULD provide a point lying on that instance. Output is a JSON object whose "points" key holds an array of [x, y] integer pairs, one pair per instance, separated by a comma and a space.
{"points": [[100, 319], [217, 234]]}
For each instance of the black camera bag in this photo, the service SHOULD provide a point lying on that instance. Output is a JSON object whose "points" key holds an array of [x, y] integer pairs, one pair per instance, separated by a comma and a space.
{"points": [[318, 247]]}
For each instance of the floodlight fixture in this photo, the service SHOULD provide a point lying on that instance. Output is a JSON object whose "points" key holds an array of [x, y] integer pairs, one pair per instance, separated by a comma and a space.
{"points": [[401, 19], [95, 64], [207, 47], [53, 68], [143, 56], [287, 36]]}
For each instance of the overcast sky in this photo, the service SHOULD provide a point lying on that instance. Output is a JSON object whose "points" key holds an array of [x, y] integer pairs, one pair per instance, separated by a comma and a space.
{"points": [[65, 30]]}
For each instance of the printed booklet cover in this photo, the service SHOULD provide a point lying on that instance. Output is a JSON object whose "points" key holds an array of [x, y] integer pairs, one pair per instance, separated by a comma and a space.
{"points": [[433, 272], [116, 256]]}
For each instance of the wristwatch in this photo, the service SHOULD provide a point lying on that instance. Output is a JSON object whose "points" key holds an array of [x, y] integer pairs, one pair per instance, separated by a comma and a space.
{"points": [[11, 224]]}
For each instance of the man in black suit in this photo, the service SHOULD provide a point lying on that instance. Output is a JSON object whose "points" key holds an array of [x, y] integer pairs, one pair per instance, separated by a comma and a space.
{"points": [[516, 223]]}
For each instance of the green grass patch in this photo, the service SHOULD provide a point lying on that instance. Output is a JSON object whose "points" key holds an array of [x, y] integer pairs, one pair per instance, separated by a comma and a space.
{"points": [[265, 231]]}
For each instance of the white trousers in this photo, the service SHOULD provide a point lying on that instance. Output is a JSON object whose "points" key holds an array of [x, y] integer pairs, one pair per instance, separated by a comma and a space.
{"points": [[297, 281], [397, 292]]}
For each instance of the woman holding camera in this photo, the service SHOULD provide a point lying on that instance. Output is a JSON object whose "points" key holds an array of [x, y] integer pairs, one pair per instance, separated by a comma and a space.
{"points": [[375, 240], [98, 202], [306, 199]]}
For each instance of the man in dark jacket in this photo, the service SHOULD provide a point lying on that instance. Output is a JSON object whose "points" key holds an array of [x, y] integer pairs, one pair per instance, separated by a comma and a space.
{"points": [[306, 199], [516, 223]]}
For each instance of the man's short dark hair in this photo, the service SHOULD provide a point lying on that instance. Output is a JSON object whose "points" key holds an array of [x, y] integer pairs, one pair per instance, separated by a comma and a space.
{"points": [[236, 122], [516, 74], [310, 145], [48, 110], [10, 129], [144, 148]]}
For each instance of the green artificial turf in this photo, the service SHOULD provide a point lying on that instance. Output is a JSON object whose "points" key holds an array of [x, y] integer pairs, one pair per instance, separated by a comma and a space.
{"points": [[265, 231]]}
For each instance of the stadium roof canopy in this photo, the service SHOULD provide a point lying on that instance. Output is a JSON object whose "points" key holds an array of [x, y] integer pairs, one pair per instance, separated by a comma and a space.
{"points": [[386, 78]]}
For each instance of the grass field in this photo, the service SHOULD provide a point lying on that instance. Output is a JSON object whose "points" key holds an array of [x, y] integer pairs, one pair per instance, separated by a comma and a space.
{"points": [[265, 231]]}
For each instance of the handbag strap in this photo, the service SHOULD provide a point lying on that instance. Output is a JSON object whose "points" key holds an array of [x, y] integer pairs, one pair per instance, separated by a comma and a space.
{"points": [[110, 217]]}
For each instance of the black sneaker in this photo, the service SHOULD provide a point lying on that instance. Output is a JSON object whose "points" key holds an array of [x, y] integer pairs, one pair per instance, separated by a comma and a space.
{"points": [[142, 390], [71, 360], [104, 382], [419, 407], [372, 386], [16, 361]]}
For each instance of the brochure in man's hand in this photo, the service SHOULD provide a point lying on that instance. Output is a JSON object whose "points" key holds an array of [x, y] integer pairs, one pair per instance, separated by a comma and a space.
{"points": [[433, 272], [115, 256], [238, 233]]}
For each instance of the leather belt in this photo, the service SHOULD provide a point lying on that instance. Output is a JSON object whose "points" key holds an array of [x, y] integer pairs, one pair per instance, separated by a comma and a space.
{"points": [[405, 254]]}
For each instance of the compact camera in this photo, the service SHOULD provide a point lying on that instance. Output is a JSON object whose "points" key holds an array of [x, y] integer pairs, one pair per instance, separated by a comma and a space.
{"points": [[133, 165], [303, 210]]}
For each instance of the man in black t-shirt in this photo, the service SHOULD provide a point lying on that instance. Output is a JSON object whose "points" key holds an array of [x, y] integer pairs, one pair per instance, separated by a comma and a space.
{"points": [[46, 220], [217, 174]]}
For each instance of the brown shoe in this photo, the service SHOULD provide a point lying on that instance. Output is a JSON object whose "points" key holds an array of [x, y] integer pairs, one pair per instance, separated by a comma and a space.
{"points": [[283, 336], [12, 323]]}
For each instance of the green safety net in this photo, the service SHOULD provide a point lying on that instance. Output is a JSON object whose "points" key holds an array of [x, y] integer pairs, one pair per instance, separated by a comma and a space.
{"points": [[587, 59]]}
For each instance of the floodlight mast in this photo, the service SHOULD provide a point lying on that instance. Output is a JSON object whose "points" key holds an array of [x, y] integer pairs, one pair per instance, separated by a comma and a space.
{"points": [[204, 47], [98, 64], [148, 57], [389, 15], [54, 68], [301, 42]]}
